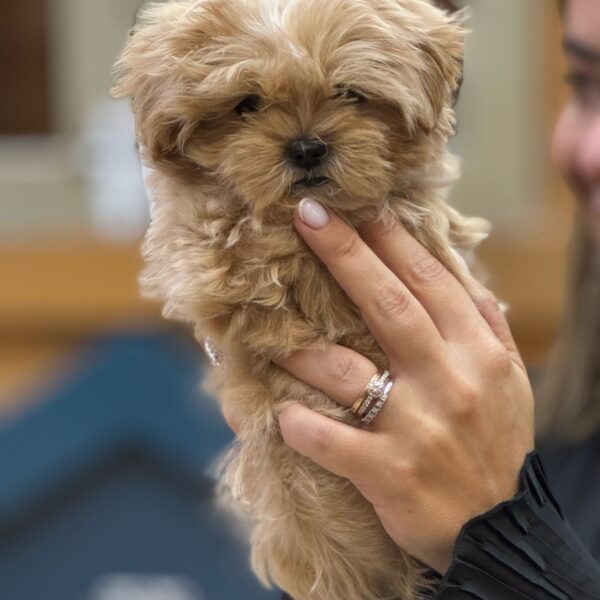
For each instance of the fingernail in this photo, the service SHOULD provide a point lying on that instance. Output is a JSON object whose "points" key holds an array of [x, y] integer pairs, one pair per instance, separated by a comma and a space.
{"points": [[312, 213]]}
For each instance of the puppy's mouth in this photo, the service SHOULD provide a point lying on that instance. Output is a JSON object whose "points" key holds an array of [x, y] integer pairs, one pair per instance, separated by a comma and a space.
{"points": [[312, 181]]}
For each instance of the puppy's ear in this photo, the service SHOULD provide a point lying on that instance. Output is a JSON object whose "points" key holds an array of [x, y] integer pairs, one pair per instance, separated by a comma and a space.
{"points": [[160, 71], [441, 69], [423, 60]]}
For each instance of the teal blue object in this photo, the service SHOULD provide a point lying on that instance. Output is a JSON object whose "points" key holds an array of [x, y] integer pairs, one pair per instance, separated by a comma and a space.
{"points": [[104, 484]]}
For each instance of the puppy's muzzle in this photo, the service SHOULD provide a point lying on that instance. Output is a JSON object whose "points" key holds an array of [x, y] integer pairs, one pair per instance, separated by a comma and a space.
{"points": [[307, 153]]}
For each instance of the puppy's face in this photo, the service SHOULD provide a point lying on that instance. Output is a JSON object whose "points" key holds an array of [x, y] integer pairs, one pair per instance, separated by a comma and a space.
{"points": [[278, 98]]}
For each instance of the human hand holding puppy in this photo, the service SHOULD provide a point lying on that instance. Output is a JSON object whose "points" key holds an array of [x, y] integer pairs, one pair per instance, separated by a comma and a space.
{"points": [[449, 443]]}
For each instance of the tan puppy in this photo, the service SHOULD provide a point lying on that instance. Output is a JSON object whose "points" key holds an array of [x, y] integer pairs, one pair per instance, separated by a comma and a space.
{"points": [[243, 107]]}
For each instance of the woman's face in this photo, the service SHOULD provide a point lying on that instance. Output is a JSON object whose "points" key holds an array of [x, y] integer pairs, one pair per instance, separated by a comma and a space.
{"points": [[576, 146]]}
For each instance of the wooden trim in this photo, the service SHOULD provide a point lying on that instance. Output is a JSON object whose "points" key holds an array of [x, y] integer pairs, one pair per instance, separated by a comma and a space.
{"points": [[70, 288], [531, 280]]}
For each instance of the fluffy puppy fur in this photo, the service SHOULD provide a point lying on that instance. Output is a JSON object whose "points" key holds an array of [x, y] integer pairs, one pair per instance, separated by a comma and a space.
{"points": [[220, 88]]}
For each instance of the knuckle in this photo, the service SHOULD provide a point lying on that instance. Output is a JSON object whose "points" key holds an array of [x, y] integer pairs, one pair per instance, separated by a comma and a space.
{"points": [[344, 369], [427, 270], [408, 474], [466, 399], [321, 436], [405, 468], [349, 247], [490, 299], [437, 437], [488, 303], [393, 300], [498, 360]]}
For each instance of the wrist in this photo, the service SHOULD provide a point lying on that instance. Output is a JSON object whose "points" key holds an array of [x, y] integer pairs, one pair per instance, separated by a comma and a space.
{"points": [[518, 491], [489, 493]]}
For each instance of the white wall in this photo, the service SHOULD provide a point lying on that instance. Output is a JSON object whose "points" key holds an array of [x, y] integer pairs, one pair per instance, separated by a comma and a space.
{"points": [[503, 136], [43, 180]]}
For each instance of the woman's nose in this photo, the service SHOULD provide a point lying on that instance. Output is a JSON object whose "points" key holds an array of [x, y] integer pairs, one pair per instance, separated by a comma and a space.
{"points": [[589, 153]]}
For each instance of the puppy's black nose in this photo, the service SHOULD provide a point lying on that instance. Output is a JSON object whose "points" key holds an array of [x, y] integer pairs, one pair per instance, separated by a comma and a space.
{"points": [[307, 153]]}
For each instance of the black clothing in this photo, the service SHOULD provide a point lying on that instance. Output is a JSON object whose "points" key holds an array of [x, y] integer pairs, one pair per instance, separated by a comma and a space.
{"points": [[574, 477], [524, 548]]}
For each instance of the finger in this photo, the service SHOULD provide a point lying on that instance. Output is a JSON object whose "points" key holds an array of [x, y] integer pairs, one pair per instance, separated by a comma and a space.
{"points": [[446, 300], [398, 322], [489, 307], [339, 372], [341, 449]]}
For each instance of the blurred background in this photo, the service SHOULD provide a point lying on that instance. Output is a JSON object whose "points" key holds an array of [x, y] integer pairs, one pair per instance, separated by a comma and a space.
{"points": [[105, 456]]}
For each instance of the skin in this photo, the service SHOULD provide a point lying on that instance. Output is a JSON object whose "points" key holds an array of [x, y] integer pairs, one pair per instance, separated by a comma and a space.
{"points": [[576, 143], [450, 442]]}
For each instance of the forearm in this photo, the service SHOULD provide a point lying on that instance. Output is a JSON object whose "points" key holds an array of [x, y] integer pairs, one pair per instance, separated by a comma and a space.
{"points": [[521, 549]]}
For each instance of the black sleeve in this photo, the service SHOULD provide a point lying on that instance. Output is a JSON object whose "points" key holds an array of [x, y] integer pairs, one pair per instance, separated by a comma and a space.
{"points": [[523, 549]]}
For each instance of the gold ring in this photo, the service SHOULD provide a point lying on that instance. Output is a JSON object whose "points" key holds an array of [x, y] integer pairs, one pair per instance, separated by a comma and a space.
{"points": [[371, 393], [378, 405]]}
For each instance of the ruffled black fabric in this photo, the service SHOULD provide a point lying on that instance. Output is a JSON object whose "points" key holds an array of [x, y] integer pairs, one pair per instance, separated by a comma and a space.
{"points": [[523, 549]]}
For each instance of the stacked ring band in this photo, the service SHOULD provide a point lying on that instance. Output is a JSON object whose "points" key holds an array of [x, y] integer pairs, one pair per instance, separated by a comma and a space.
{"points": [[374, 396], [374, 410], [364, 400]]}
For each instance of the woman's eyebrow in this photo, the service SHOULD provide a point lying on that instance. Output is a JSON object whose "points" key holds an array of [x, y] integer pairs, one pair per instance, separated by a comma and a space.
{"points": [[581, 51]]}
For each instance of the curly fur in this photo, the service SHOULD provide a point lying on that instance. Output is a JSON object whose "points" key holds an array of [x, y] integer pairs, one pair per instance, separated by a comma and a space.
{"points": [[223, 255]]}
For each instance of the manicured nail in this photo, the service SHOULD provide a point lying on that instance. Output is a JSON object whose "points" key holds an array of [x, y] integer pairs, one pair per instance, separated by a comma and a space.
{"points": [[312, 213]]}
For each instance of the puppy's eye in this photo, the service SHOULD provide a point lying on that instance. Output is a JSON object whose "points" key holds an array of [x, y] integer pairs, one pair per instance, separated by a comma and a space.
{"points": [[250, 103], [349, 94]]}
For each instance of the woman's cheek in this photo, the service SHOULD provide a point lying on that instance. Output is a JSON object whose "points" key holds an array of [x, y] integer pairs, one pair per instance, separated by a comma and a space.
{"points": [[565, 142]]}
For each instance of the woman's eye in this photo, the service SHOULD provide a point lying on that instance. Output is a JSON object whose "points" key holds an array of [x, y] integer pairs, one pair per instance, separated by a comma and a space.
{"points": [[586, 88], [250, 103], [349, 94]]}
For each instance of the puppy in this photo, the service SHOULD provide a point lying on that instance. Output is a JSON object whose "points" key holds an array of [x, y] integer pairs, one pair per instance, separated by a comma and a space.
{"points": [[243, 107]]}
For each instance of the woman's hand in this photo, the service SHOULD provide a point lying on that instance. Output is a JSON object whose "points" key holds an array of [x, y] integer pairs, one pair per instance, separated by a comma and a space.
{"points": [[450, 441]]}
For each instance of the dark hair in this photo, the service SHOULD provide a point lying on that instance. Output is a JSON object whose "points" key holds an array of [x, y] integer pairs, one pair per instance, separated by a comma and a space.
{"points": [[568, 394]]}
